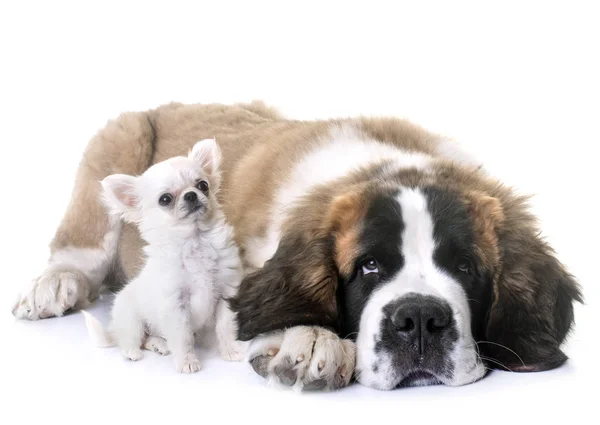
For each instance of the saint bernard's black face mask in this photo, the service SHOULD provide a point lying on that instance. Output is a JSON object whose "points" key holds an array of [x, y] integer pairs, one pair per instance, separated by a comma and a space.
{"points": [[418, 295]]}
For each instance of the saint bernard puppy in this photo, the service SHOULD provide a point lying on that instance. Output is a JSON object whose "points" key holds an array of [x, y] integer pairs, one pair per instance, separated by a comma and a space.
{"points": [[372, 248]]}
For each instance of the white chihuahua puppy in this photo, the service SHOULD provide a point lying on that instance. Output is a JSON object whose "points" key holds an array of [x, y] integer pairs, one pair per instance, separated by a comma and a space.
{"points": [[192, 262]]}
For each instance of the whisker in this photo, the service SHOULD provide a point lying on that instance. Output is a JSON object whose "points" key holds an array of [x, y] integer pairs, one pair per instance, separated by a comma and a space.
{"points": [[503, 346], [496, 362], [477, 348], [483, 358]]}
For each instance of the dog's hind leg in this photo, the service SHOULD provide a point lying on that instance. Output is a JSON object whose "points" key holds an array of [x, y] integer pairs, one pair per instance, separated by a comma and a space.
{"points": [[84, 248], [156, 344], [127, 327]]}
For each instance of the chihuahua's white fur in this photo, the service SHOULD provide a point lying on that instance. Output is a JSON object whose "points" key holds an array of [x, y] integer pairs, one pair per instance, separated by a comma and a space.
{"points": [[192, 262]]}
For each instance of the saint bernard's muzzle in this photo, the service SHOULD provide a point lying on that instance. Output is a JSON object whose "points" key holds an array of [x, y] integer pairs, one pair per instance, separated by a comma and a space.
{"points": [[436, 283]]}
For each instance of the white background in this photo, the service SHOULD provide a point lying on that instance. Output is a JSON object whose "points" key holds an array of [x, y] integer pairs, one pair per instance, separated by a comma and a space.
{"points": [[516, 83]]}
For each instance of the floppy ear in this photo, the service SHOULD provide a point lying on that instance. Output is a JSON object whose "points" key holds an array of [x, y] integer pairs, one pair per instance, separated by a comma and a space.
{"points": [[488, 221], [207, 155], [295, 287], [119, 195], [298, 285], [532, 304]]}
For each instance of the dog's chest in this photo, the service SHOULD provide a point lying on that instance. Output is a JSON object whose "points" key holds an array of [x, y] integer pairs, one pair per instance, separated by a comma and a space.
{"points": [[199, 290], [199, 258]]}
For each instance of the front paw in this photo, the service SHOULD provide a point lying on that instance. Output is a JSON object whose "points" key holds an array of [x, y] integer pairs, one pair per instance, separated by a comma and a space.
{"points": [[233, 351], [188, 364], [53, 293], [133, 354], [305, 358]]}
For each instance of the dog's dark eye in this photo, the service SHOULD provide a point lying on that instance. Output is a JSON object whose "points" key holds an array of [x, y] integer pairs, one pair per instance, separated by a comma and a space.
{"points": [[165, 199], [464, 266], [203, 186], [369, 266]]}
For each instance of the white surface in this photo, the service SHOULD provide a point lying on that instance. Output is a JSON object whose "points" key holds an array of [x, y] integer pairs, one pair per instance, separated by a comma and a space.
{"points": [[516, 84]]}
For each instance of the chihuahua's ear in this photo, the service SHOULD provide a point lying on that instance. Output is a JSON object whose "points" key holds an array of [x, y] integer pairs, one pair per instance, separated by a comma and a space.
{"points": [[207, 154], [119, 194]]}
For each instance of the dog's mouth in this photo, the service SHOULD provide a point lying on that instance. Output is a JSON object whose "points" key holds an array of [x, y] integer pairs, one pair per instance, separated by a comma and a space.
{"points": [[195, 209], [418, 378]]}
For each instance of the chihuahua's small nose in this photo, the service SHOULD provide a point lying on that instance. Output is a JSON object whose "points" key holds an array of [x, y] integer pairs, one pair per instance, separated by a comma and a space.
{"points": [[190, 197]]}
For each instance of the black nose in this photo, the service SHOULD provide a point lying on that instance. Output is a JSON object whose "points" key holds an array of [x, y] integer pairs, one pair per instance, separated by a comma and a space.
{"points": [[190, 197], [420, 320]]}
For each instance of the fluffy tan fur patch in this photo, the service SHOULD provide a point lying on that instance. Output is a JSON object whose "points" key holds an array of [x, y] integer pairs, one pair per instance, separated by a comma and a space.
{"points": [[488, 218], [345, 215]]}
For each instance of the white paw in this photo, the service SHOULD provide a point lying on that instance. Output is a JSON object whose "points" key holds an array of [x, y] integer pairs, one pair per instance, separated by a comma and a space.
{"points": [[133, 354], [157, 344], [233, 351], [304, 357], [189, 364], [56, 291]]}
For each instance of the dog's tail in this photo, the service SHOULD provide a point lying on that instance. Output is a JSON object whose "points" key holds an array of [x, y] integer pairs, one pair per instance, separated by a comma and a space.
{"points": [[98, 334]]}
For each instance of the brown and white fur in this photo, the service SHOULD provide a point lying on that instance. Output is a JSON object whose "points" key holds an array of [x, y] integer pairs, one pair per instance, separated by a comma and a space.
{"points": [[344, 226]]}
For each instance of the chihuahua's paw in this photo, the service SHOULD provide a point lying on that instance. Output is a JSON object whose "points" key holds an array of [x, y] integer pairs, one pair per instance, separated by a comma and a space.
{"points": [[53, 293], [157, 344], [189, 364], [133, 354], [233, 351]]}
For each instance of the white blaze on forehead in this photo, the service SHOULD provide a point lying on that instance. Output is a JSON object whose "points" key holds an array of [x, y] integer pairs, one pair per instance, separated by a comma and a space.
{"points": [[418, 244], [420, 272], [346, 150], [419, 275]]}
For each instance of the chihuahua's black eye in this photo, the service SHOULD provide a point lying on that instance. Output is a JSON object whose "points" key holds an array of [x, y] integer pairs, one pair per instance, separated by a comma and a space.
{"points": [[203, 186], [165, 199], [369, 266]]}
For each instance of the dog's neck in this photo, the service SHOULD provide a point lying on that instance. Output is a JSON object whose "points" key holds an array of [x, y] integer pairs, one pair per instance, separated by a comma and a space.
{"points": [[179, 240]]}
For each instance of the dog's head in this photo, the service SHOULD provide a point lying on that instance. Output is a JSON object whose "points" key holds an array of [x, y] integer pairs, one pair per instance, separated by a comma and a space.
{"points": [[171, 196], [435, 275]]}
